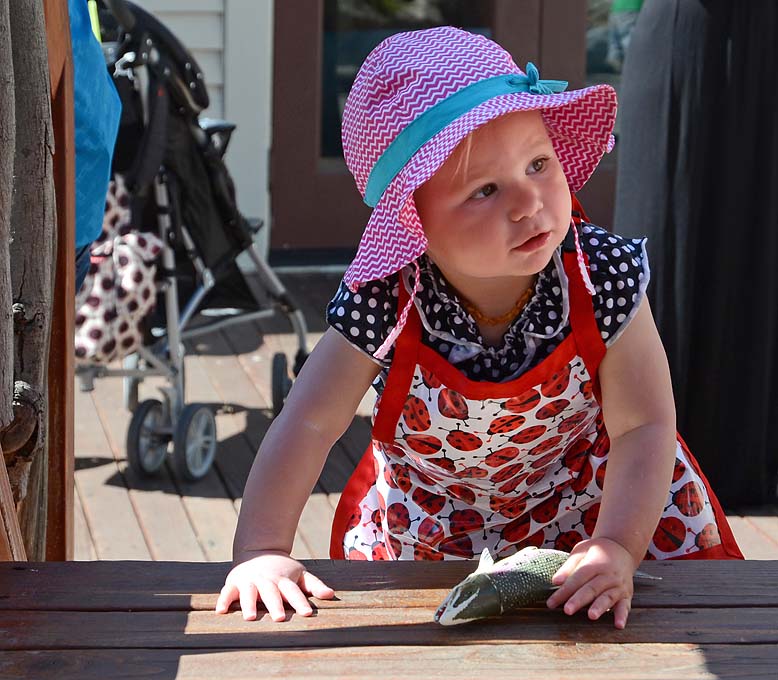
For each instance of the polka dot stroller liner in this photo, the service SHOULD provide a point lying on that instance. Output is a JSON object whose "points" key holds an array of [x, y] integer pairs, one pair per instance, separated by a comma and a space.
{"points": [[119, 289]]}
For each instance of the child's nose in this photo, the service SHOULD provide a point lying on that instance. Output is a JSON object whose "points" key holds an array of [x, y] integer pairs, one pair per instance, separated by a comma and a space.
{"points": [[525, 201]]}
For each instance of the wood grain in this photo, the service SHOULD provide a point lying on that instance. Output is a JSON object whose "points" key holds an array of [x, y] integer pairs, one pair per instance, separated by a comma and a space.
{"points": [[147, 620], [375, 626], [60, 509], [530, 662], [11, 543], [183, 586]]}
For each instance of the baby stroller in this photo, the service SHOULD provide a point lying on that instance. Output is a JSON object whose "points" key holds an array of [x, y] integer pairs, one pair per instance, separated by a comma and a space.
{"points": [[179, 189]]}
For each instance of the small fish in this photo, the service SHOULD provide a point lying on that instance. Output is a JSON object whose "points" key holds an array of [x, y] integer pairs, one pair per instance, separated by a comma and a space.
{"points": [[503, 586]]}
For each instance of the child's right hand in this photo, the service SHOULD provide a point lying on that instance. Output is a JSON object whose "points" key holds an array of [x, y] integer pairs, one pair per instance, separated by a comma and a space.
{"points": [[274, 577]]}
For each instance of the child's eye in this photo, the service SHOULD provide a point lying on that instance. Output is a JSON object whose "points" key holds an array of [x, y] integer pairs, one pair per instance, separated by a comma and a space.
{"points": [[484, 191], [538, 165]]}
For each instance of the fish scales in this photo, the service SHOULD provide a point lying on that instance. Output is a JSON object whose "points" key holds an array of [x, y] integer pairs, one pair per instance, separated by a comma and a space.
{"points": [[529, 583], [500, 587]]}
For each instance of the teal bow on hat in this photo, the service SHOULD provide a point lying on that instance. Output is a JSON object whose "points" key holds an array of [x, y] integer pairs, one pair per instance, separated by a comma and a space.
{"points": [[445, 112], [535, 85]]}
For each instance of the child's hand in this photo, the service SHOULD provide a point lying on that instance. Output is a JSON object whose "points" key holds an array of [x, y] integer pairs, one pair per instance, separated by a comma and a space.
{"points": [[599, 571], [273, 577]]}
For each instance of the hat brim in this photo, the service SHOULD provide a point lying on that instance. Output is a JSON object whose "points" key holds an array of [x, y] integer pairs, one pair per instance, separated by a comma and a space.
{"points": [[579, 124]]}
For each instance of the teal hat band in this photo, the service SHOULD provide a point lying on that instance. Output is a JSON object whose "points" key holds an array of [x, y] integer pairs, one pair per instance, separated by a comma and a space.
{"points": [[437, 117]]}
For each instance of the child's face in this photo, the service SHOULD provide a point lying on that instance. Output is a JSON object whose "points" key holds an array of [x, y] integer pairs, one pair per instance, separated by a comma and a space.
{"points": [[499, 206]]}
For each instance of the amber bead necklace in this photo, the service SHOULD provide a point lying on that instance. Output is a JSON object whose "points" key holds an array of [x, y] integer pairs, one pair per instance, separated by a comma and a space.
{"points": [[511, 314]]}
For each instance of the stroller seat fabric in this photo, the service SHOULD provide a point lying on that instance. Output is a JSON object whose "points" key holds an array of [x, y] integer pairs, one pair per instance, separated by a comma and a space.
{"points": [[120, 289]]}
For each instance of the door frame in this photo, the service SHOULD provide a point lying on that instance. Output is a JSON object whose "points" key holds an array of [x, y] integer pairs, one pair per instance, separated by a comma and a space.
{"points": [[317, 212]]}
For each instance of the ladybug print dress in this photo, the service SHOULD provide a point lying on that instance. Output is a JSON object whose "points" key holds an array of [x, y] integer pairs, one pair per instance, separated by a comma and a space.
{"points": [[456, 465]]}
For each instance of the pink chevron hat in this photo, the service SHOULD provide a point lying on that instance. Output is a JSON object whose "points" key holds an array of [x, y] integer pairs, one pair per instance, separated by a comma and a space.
{"points": [[416, 97]]}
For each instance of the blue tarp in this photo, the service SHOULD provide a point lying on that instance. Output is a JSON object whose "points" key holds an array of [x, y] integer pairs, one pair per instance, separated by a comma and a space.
{"points": [[97, 113]]}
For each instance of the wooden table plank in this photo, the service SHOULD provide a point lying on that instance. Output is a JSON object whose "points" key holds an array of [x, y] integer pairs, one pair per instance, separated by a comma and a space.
{"points": [[375, 626], [529, 662], [184, 586], [82, 620]]}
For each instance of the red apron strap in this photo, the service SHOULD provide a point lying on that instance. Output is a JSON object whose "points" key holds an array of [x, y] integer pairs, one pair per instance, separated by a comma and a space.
{"points": [[584, 325], [401, 372]]}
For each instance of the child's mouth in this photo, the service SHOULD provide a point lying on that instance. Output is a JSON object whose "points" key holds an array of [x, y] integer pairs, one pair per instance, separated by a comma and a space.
{"points": [[534, 243]]}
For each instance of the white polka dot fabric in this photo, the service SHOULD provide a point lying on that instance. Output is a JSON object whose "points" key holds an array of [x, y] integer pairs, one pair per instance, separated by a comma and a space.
{"points": [[119, 290], [619, 271]]}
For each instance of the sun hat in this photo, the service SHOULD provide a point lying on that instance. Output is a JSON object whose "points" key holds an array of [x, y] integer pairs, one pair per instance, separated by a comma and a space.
{"points": [[415, 98]]}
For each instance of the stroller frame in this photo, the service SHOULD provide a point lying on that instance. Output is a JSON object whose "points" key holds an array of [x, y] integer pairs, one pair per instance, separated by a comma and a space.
{"points": [[192, 428]]}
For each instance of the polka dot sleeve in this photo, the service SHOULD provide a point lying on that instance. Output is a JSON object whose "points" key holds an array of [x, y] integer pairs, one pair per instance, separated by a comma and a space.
{"points": [[620, 274], [366, 317]]}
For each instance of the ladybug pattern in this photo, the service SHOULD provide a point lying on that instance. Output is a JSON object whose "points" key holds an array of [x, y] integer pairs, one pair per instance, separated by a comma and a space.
{"points": [[462, 463], [508, 479]]}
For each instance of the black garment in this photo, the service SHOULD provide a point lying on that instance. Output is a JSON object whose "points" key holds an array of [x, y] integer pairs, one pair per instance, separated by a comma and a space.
{"points": [[698, 174]]}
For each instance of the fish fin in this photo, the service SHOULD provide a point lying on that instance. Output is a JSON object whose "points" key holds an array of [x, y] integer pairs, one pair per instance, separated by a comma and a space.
{"points": [[648, 577], [485, 563]]}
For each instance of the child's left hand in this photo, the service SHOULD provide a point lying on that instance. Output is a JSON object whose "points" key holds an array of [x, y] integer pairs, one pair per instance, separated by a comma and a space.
{"points": [[599, 571]]}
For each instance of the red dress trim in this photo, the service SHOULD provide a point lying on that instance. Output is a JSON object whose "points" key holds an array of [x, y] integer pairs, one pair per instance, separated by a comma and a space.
{"points": [[728, 548], [357, 487]]}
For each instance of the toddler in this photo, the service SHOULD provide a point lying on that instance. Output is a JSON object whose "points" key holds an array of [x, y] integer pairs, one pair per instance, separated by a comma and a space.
{"points": [[510, 343]]}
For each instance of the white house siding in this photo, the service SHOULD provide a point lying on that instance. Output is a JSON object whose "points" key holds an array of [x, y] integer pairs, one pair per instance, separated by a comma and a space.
{"points": [[231, 40], [199, 25]]}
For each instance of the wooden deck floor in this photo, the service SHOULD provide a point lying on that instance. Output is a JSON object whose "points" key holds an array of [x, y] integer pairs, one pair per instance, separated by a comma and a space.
{"points": [[119, 516]]}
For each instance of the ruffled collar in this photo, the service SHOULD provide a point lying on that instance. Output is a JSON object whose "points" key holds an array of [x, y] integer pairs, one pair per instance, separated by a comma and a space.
{"points": [[544, 316]]}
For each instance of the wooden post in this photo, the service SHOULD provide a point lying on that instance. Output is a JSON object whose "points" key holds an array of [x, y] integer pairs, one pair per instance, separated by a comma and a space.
{"points": [[32, 249], [7, 141], [11, 543], [59, 530]]}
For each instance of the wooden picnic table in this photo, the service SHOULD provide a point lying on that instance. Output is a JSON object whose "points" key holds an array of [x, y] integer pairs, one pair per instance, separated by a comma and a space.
{"points": [[99, 620]]}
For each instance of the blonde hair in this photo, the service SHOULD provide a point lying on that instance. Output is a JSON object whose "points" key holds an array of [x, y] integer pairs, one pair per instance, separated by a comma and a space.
{"points": [[462, 151]]}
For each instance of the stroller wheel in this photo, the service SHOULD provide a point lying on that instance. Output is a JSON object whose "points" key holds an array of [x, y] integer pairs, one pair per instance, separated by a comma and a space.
{"points": [[146, 446], [194, 442], [281, 382]]}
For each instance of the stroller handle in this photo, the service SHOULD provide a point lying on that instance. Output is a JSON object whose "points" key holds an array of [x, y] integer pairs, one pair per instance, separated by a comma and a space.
{"points": [[122, 12]]}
